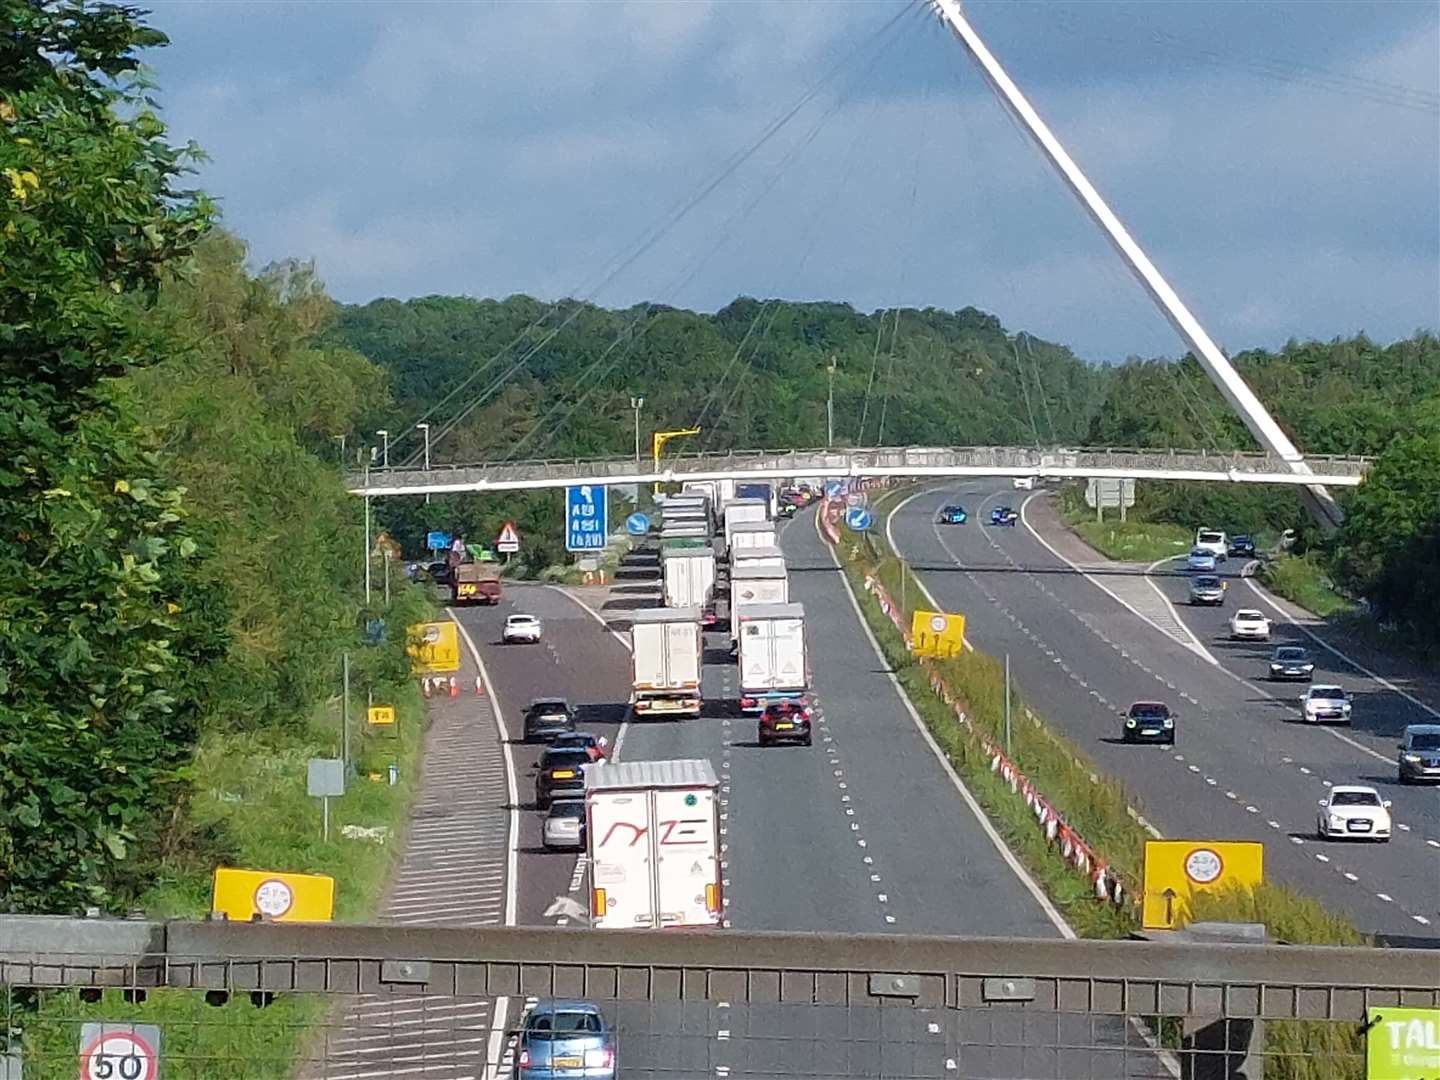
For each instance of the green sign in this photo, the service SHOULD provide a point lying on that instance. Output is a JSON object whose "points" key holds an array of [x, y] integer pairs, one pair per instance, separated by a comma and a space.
{"points": [[1402, 1044]]}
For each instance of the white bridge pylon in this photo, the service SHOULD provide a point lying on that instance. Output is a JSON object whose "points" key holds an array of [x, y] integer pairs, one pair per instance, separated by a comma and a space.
{"points": [[1235, 390]]}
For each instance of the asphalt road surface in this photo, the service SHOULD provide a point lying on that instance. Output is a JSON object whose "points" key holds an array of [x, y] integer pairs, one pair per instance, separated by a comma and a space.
{"points": [[863, 832], [1242, 768]]}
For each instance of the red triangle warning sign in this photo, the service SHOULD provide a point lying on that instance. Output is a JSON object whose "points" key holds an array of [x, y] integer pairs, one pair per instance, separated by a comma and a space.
{"points": [[509, 538]]}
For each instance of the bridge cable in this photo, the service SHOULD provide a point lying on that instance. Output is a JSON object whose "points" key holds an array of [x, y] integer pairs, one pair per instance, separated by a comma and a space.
{"points": [[1025, 391], [870, 385], [676, 217], [1040, 385]]}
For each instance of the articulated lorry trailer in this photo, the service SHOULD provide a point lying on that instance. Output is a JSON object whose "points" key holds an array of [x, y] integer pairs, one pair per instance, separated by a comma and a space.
{"points": [[689, 575], [652, 834], [665, 662], [773, 662]]}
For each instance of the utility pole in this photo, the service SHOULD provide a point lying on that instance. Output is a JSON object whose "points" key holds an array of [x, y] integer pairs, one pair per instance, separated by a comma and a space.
{"points": [[385, 454], [345, 710], [425, 428], [341, 440], [830, 405], [635, 405], [387, 577], [367, 534], [1007, 704]]}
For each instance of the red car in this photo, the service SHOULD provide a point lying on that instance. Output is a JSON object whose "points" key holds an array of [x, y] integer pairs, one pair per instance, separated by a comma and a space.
{"points": [[785, 721]]}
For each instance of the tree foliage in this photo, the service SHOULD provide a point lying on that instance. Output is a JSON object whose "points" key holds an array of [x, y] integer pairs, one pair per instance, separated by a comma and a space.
{"points": [[104, 605]]}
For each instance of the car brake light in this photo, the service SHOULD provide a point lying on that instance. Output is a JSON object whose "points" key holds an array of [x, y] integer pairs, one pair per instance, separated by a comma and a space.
{"points": [[524, 1059], [599, 1059]]}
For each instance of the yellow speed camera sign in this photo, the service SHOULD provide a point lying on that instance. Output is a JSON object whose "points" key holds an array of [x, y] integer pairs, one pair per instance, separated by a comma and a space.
{"points": [[1177, 870], [283, 897], [434, 648], [936, 633]]}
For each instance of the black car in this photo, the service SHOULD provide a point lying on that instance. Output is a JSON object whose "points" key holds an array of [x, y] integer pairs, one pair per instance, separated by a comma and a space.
{"points": [[951, 515], [784, 721], [1242, 547], [561, 773], [1149, 721], [548, 717], [1291, 662], [440, 573]]}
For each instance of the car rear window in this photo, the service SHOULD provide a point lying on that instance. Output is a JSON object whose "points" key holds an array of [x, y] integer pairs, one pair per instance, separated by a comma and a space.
{"points": [[1289, 654], [1247, 614], [1209, 537], [542, 707], [1207, 582], [572, 809], [563, 1025], [1328, 694], [1355, 798], [1148, 712], [561, 758]]}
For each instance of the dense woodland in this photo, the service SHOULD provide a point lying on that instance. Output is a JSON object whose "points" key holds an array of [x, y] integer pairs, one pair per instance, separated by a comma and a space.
{"points": [[180, 556]]}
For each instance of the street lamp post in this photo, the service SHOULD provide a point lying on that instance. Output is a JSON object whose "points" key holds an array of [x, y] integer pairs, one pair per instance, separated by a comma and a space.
{"points": [[830, 405], [385, 453], [635, 405], [367, 534], [341, 440], [425, 428]]}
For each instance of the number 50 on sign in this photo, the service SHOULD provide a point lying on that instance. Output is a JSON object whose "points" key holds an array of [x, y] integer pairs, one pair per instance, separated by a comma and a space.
{"points": [[119, 1052]]}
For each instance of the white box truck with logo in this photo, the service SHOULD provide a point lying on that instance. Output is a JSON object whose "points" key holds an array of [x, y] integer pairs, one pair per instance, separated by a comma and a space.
{"points": [[652, 834], [665, 662], [773, 662], [689, 575]]}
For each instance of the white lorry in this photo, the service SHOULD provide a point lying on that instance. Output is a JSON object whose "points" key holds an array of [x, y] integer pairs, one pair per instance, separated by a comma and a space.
{"points": [[750, 585], [744, 535], [652, 834], [665, 662], [689, 576], [757, 556], [773, 662], [743, 510]]}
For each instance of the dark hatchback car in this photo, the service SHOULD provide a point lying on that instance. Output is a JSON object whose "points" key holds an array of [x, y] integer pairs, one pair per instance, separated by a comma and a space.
{"points": [[1291, 662], [440, 573], [784, 721], [547, 718], [565, 1038], [1149, 721], [1242, 547], [560, 773], [1420, 753]]}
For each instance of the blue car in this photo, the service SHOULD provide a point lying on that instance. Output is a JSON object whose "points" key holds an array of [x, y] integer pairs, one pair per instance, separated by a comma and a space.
{"points": [[1004, 515], [1200, 561], [1242, 547], [565, 1039], [952, 515]]}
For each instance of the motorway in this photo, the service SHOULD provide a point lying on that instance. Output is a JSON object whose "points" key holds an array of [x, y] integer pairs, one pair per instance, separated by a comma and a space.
{"points": [[1242, 768], [863, 832]]}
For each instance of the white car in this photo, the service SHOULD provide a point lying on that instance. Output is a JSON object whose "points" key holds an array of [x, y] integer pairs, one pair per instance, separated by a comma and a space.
{"points": [[1024, 483], [1213, 541], [1249, 625], [1353, 811], [1325, 703], [564, 825], [524, 628]]}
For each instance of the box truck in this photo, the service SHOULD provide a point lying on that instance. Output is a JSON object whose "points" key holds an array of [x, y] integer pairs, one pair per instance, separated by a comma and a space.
{"points": [[773, 662], [764, 492], [741, 510], [652, 834], [665, 662], [751, 585], [751, 534], [475, 583], [757, 556], [689, 576]]}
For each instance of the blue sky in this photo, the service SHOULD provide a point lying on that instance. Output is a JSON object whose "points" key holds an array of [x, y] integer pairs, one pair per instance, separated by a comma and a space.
{"points": [[1280, 162]]}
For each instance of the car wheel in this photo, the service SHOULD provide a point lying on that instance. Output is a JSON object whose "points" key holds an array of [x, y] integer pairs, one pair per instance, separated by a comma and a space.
{"points": [[807, 741], [1320, 833]]}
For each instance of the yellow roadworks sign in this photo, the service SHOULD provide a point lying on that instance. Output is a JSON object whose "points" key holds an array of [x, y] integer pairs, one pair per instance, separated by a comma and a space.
{"points": [[1176, 870], [1401, 1043], [382, 714], [242, 894], [434, 648], [934, 633]]}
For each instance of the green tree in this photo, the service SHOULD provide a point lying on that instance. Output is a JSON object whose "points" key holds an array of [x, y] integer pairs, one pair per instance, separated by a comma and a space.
{"points": [[104, 603]]}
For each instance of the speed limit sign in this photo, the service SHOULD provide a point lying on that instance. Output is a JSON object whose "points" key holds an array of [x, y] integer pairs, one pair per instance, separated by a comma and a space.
{"points": [[119, 1052]]}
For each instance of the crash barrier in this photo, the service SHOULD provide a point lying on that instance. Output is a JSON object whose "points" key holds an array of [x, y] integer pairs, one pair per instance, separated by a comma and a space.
{"points": [[216, 999], [1060, 836]]}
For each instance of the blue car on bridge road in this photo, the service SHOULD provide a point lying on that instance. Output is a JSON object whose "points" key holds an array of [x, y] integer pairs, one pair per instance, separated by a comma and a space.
{"points": [[952, 515], [1004, 515]]}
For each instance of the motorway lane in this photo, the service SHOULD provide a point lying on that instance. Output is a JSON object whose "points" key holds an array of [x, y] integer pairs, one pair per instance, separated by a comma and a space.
{"points": [[1081, 657]]}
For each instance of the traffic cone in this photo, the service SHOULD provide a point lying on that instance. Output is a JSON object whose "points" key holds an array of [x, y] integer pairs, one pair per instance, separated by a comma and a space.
{"points": [[479, 687], [454, 686]]}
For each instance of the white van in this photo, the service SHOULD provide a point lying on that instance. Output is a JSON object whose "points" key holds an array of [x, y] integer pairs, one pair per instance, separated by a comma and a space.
{"points": [[1213, 541], [1024, 483]]}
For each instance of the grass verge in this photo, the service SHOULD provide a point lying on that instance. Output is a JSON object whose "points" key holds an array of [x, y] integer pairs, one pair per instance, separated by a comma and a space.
{"points": [[248, 808], [1125, 541], [1301, 580], [1096, 806]]}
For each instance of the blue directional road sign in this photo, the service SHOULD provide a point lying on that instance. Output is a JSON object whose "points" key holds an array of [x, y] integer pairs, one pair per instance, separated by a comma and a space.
{"points": [[858, 518], [586, 518], [437, 541], [833, 488], [637, 524]]}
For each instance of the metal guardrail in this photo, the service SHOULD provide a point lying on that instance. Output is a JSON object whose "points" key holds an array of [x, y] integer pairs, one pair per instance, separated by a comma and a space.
{"points": [[1116, 978], [1104, 462]]}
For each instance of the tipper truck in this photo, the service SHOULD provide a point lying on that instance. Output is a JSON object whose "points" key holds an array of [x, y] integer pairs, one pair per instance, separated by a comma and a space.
{"points": [[665, 659], [689, 576], [773, 662], [653, 839], [475, 583]]}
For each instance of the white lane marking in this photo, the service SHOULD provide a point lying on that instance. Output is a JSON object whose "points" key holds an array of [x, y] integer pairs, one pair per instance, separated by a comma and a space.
{"points": [[502, 1004], [1051, 913], [1421, 919], [1350, 877], [1386, 897], [1193, 646], [625, 724], [1322, 858], [1331, 648]]}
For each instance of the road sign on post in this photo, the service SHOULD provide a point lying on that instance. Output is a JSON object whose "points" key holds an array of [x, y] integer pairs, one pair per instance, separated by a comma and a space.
{"points": [[437, 541], [509, 539], [586, 518], [858, 519], [119, 1051], [637, 524], [936, 633], [280, 896], [434, 648], [1175, 870], [382, 714]]}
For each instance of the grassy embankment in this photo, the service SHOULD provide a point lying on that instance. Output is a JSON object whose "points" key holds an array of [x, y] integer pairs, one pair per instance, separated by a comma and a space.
{"points": [[1097, 806], [248, 808]]}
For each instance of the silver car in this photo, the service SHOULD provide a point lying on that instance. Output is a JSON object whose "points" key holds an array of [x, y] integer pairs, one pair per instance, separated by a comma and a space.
{"points": [[564, 827]]}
